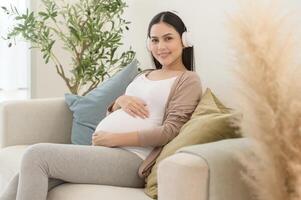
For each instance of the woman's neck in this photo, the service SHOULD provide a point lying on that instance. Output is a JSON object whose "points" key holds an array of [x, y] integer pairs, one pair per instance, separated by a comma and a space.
{"points": [[174, 67]]}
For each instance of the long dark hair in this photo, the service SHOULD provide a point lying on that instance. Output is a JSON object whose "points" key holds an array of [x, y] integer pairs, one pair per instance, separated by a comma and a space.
{"points": [[175, 21]]}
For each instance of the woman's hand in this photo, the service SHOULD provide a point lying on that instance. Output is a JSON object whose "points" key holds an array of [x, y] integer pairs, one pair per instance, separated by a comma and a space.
{"points": [[134, 106], [102, 138]]}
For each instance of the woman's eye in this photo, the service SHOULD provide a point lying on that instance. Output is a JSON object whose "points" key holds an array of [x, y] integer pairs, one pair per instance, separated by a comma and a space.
{"points": [[168, 38], [154, 40]]}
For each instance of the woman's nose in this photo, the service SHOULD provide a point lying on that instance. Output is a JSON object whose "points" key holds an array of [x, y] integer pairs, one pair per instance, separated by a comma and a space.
{"points": [[161, 45]]}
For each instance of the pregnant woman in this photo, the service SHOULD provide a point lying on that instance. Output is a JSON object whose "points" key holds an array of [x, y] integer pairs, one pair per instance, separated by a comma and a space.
{"points": [[139, 123]]}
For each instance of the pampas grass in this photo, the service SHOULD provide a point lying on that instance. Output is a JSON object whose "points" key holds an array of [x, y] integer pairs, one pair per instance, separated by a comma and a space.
{"points": [[269, 98]]}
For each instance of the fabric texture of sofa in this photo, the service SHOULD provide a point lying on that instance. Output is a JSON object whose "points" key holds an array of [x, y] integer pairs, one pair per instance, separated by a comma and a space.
{"points": [[200, 172]]}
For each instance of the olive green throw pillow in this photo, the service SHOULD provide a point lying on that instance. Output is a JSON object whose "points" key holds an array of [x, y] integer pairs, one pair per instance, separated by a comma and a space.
{"points": [[209, 122]]}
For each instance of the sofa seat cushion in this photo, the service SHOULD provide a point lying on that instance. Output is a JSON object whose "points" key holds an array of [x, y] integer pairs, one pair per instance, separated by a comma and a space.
{"points": [[10, 158], [69, 191]]}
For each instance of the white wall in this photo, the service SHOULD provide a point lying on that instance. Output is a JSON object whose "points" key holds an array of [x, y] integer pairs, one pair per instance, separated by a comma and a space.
{"points": [[206, 21], [45, 82]]}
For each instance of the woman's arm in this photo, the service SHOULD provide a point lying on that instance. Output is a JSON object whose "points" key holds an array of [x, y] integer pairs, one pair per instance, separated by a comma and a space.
{"points": [[115, 106], [103, 138], [134, 106], [184, 99], [112, 107]]}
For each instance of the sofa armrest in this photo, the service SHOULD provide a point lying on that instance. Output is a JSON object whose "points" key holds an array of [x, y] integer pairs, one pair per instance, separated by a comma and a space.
{"points": [[32, 121], [183, 176], [205, 172]]}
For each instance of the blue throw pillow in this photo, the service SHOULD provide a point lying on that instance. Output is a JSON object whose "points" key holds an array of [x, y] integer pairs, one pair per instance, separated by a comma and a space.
{"points": [[89, 110]]}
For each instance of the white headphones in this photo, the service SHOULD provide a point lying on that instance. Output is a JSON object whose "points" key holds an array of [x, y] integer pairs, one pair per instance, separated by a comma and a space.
{"points": [[186, 38]]}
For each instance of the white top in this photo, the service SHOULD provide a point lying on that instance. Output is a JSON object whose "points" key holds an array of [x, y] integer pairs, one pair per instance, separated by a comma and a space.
{"points": [[155, 94]]}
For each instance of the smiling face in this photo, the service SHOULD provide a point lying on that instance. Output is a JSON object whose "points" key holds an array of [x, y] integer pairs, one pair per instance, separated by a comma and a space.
{"points": [[166, 45]]}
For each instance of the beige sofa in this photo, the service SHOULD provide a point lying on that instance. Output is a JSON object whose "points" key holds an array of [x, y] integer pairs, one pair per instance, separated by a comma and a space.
{"points": [[201, 172]]}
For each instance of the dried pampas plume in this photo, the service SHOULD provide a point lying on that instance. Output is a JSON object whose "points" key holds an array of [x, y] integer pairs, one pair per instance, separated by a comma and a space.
{"points": [[269, 98]]}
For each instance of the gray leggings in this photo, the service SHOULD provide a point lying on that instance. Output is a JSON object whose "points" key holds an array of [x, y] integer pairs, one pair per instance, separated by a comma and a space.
{"points": [[45, 166]]}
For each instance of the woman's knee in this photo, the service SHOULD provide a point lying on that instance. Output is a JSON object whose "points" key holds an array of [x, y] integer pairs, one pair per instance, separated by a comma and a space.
{"points": [[34, 154]]}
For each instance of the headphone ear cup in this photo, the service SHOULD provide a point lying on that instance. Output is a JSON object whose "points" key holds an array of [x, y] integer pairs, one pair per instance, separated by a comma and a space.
{"points": [[186, 39], [148, 44]]}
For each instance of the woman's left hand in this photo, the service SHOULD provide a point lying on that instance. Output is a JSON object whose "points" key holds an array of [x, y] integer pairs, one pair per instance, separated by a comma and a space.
{"points": [[102, 138]]}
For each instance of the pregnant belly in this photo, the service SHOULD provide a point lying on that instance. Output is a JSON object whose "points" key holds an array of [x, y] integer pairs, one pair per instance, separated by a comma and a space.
{"points": [[119, 121]]}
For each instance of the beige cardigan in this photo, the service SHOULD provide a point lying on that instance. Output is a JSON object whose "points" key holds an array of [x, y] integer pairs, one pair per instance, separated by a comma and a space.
{"points": [[184, 96]]}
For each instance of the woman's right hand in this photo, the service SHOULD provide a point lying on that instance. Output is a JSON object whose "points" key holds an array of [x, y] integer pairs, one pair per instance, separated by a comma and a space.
{"points": [[134, 106]]}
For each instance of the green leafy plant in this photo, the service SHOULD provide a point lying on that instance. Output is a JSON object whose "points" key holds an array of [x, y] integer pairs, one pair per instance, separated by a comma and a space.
{"points": [[89, 30]]}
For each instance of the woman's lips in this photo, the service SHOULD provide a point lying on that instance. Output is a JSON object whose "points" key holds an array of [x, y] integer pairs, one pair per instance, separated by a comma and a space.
{"points": [[163, 55]]}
